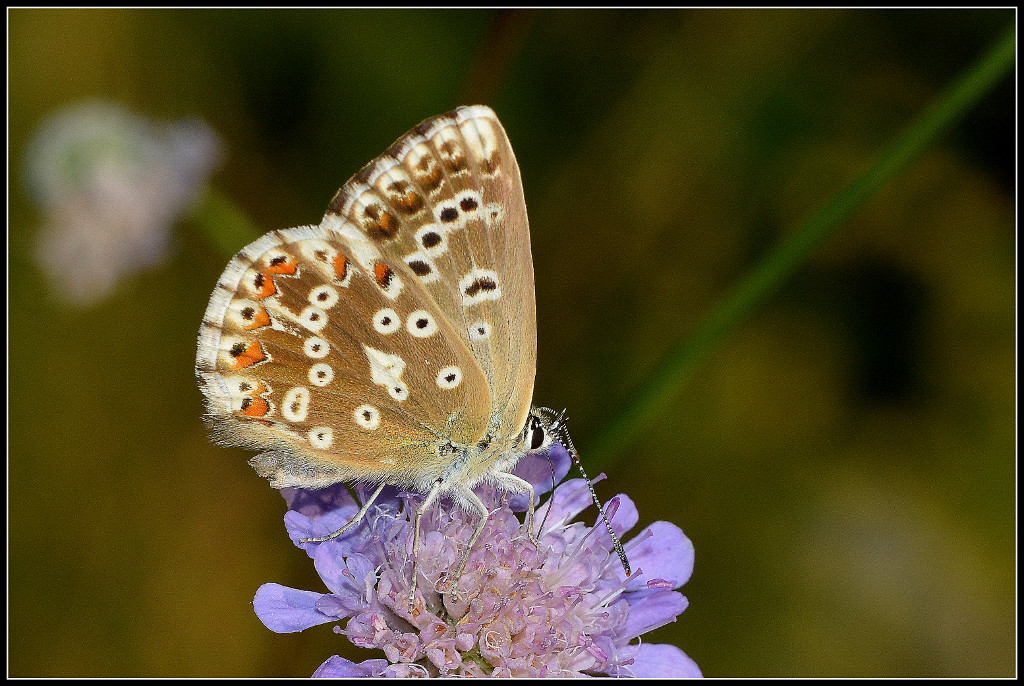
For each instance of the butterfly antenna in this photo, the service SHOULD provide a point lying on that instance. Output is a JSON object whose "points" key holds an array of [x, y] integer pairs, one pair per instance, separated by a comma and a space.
{"points": [[559, 429], [551, 468]]}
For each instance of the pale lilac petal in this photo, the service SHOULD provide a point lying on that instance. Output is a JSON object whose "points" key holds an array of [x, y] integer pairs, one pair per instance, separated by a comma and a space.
{"points": [[569, 499], [339, 668], [652, 610], [362, 570], [300, 527], [662, 551], [314, 503], [285, 610], [331, 565], [537, 469], [662, 660], [337, 606], [623, 517], [329, 561]]}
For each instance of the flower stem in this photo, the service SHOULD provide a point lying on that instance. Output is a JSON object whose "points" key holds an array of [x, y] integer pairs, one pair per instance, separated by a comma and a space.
{"points": [[664, 387]]}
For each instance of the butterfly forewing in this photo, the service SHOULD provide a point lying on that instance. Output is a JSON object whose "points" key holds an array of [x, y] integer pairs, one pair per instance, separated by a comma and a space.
{"points": [[403, 324], [514, 351], [448, 201]]}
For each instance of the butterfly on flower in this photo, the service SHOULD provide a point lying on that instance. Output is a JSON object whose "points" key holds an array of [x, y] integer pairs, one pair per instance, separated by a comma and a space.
{"points": [[395, 343]]}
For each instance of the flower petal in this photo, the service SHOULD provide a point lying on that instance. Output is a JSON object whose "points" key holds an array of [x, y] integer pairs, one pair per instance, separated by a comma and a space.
{"points": [[367, 572], [537, 468], [284, 610], [314, 503], [662, 551], [110, 184], [650, 610], [329, 561], [623, 517], [569, 499], [655, 660], [299, 526], [346, 577], [336, 667]]}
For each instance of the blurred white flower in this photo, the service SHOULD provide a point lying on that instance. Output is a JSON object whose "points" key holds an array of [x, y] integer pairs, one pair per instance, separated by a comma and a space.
{"points": [[110, 184]]}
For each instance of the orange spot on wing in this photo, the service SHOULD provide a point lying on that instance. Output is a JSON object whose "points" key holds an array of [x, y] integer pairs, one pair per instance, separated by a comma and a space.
{"points": [[283, 265], [382, 273], [340, 266], [259, 318], [264, 285], [252, 354], [388, 223], [380, 223], [255, 406]]}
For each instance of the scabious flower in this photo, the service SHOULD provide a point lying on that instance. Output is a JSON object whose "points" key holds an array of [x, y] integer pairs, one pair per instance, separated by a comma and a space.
{"points": [[561, 609], [110, 184]]}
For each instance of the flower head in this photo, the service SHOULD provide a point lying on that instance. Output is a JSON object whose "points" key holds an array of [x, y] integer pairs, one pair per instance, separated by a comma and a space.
{"points": [[110, 184], [564, 608]]}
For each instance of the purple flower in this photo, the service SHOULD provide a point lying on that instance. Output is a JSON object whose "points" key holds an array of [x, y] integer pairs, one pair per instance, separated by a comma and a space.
{"points": [[564, 608], [110, 184]]}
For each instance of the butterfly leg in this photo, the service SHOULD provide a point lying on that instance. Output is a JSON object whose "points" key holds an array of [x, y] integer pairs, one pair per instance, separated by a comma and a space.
{"points": [[514, 484], [472, 498], [350, 523], [427, 502]]}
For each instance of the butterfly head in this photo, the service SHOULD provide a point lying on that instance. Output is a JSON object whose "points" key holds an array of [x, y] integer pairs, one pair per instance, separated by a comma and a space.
{"points": [[543, 427]]}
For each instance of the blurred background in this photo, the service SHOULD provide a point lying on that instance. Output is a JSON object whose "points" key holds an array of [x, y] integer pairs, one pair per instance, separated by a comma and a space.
{"points": [[844, 463]]}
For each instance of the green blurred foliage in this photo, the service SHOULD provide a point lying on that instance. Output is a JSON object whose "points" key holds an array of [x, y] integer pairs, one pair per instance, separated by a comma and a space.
{"points": [[844, 463]]}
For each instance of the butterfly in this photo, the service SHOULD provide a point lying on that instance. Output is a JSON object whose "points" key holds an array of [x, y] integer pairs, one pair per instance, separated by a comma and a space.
{"points": [[395, 343]]}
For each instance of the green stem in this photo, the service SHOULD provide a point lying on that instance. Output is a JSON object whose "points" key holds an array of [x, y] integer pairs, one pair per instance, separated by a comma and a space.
{"points": [[665, 386]]}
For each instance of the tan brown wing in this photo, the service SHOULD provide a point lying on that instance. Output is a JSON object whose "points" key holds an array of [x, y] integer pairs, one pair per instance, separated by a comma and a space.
{"points": [[448, 201]]}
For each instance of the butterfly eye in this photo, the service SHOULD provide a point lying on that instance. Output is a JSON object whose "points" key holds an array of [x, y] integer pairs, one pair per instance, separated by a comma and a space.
{"points": [[537, 435]]}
